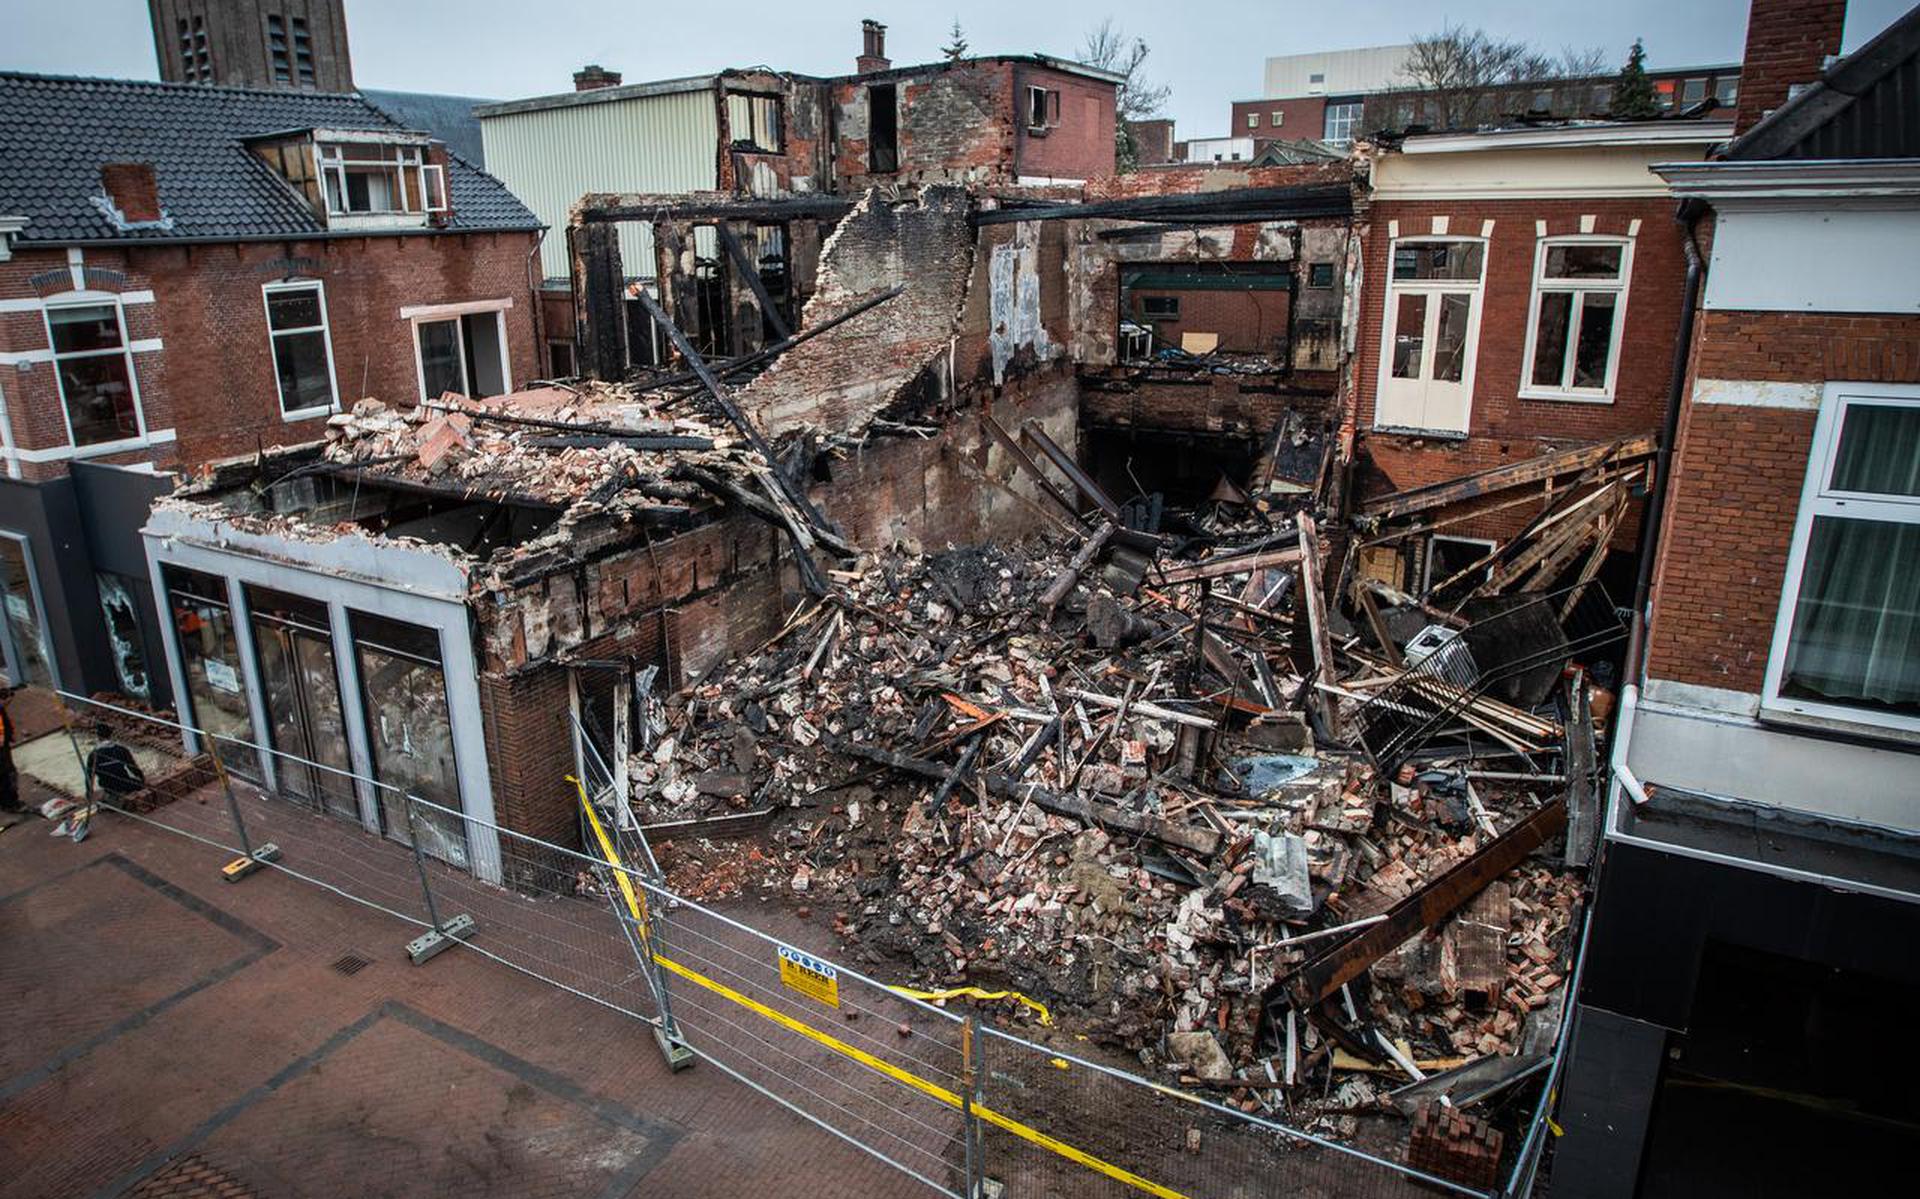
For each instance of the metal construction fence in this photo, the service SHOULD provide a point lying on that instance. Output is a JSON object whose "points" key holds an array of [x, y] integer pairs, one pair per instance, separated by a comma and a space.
{"points": [[951, 1099]]}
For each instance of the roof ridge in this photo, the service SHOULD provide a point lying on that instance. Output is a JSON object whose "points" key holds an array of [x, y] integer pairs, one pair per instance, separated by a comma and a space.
{"points": [[195, 88]]}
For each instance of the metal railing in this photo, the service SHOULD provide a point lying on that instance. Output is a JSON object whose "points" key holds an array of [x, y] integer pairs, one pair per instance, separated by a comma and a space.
{"points": [[952, 1100]]}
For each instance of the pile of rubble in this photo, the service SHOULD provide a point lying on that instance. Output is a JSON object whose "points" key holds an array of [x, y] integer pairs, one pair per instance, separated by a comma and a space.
{"points": [[1007, 767]]}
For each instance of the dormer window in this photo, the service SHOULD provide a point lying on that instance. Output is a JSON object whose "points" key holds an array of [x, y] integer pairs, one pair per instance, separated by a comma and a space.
{"points": [[380, 179]]}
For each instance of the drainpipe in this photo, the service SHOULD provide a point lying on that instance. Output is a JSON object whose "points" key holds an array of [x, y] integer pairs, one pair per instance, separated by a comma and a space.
{"points": [[1688, 214]]}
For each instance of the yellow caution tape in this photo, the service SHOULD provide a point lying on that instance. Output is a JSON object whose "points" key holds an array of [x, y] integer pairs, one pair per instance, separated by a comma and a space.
{"points": [[1046, 1017], [932, 1090]]}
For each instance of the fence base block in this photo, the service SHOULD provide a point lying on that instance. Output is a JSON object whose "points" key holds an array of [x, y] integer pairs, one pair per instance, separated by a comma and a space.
{"points": [[678, 1056], [426, 946], [240, 868]]}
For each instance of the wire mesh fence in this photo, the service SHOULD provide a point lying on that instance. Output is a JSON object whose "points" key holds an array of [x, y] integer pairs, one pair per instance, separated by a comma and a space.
{"points": [[954, 1103]]}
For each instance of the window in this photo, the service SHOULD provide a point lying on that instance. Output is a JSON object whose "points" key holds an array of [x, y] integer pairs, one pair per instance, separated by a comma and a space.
{"points": [[464, 354], [210, 658], [1726, 90], [302, 348], [23, 634], [1160, 307], [1043, 108], [1692, 92], [1602, 97], [1275, 118], [1316, 77], [1319, 275], [195, 64], [96, 374], [883, 129], [1663, 94], [1432, 324], [403, 688], [754, 121], [1253, 120], [1542, 101], [1340, 121], [1847, 641], [376, 178], [1574, 328]]}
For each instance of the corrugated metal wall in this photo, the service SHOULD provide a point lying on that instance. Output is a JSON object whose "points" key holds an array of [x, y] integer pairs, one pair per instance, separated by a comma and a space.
{"points": [[552, 157]]}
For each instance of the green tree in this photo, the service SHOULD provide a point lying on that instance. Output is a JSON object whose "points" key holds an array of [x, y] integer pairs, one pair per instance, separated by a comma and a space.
{"points": [[956, 49], [1633, 98]]}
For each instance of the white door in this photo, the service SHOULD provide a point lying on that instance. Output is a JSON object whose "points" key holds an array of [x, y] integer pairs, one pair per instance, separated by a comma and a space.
{"points": [[1431, 328]]}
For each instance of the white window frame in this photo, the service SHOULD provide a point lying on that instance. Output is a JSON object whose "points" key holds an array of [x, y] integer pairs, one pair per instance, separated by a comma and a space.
{"points": [[455, 312], [326, 336], [1350, 112], [95, 299], [1426, 564], [329, 158], [1253, 120], [1432, 287], [1817, 499], [1541, 285], [1046, 120]]}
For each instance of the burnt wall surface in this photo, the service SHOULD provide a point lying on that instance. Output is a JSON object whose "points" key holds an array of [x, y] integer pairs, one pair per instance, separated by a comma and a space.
{"points": [[838, 380], [954, 125], [717, 591]]}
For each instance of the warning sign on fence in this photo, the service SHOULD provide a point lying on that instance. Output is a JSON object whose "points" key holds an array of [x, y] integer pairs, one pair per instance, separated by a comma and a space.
{"points": [[810, 976]]}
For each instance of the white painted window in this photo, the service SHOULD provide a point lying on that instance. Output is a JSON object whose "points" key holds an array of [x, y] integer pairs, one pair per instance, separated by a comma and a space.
{"points": [[1846, 644], [302, 348], [1429, 334], [1449, 556], [1340, 122], [1575, 319], [98, 390], [1043, 108], [373, 178], [465, 353], [1253, 120], [1276, 118]]}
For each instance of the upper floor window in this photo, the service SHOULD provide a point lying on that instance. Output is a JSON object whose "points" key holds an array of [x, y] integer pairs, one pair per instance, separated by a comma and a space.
{"points": [[1726, 90], [1275, 118], [1341, 120], [1319, 275], [754, 121], [1602, 97], [1043, 108], [1574, 326], [1692, 92], [374, 177], [1847, 641], [95, 372], [1253, 120], [302, 348]]}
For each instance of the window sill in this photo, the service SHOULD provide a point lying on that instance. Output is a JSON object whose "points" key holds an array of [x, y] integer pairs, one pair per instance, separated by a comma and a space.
{"points": [[1563, 397], [1037, 130], [1831, 721], [1431, 434], [300, 414]]}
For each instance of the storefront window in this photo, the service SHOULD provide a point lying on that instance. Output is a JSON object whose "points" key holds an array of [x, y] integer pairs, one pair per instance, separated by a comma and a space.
{"points": [[294, 643], [210, 656], [27, 661], [404, 690]]}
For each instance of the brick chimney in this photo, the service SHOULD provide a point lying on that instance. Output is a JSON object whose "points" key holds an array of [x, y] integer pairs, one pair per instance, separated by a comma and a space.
{"points": [[1788, 44], [133, 189], [873, 48], [592, 76]]}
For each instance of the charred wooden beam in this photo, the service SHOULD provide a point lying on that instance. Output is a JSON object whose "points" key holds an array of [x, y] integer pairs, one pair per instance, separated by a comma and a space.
{"points": [[1501, 478], [1323, 974], [751, 274], [1026, 463], [609, 209], [1081, 480], [734, 366], [1223, 207], [599, 290]]}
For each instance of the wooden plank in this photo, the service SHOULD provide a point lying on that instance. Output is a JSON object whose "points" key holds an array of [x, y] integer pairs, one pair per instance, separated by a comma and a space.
{"points": [[1213, 568], [751, 273], [1026, 463], [1501, 478], [1321, 637], [1324, 973]]}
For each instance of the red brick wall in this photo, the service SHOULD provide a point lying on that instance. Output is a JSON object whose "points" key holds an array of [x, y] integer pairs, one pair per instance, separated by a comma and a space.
{"points": [[1081, 145], [1788, 41], [956, 124], [1501, 426], [213, 380], [1187, 180], [1302, 119], [1737, 476]]}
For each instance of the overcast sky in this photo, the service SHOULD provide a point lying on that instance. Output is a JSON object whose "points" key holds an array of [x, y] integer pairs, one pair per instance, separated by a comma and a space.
{"points": [[1210, 53]]}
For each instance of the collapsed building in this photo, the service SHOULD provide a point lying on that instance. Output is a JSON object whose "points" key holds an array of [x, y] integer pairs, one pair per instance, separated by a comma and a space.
{"points": [[962, 597]]}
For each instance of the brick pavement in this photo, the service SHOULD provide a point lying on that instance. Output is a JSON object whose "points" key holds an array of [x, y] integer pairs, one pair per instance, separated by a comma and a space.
{"points": [[171, 1035]]}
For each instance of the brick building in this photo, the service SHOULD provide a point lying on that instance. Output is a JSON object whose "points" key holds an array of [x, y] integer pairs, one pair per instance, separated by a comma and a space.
{"points": [[295, 44], [218, 276], [1005, 120], [1521, 293], [1761, 890]]}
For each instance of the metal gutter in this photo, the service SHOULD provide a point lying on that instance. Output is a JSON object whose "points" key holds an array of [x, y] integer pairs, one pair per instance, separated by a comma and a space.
{"points": [[253, 238]]}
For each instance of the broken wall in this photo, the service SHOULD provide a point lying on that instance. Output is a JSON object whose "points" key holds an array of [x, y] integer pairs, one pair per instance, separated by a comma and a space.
{"points": [[955, 125], [839, 380], [803, 160]]}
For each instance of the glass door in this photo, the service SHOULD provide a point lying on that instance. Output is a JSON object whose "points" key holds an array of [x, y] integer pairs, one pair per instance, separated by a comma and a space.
{"points": [[304, 722], [410, 730], [1431, 327]]}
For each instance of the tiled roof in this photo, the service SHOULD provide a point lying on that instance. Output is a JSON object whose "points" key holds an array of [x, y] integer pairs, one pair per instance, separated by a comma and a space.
{"points": [[55, 132]]}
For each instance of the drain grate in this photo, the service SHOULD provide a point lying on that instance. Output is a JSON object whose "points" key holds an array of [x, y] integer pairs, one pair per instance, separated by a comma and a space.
{"points": [[352, 963]]}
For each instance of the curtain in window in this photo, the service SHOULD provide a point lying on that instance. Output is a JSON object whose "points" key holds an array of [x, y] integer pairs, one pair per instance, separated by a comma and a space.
{"points": [[1856, 628]]}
